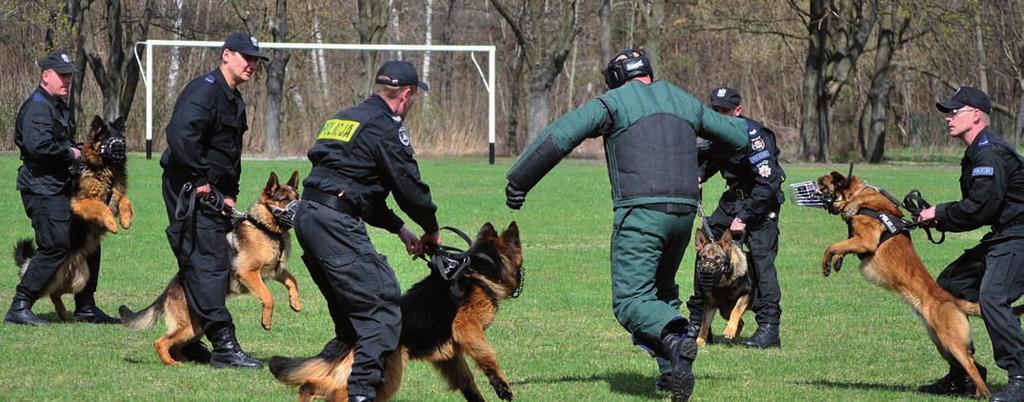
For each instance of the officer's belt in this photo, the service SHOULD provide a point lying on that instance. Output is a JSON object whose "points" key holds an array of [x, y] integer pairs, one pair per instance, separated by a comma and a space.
{"points": [[329, 200], [739, 193], [1019, 219]]}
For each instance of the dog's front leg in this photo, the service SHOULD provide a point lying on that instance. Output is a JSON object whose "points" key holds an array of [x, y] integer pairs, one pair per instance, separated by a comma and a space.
{"points": [[94, 211], [705, 325], [864, 240], [125, 211], [471, 337], [288, 281], [732, 329], [250, 278]]}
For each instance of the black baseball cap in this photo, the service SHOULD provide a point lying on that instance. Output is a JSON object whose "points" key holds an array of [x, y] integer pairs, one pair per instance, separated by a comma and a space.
{"points": [[966, 96], [400, 73], [59, 62], [726, 98], [244, 43]]}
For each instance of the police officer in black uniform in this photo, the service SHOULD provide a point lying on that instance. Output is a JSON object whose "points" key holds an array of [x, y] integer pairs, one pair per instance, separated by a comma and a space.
{"points": [[202, 160], [991, 273], [44, 132], [360, 156], [749, 208]]}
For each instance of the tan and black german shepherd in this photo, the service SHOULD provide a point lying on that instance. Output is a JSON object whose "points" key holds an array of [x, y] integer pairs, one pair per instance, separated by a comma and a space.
{"points": [[100, 200], [723, 271], [435, 327], [895, 266], [260, 246]]}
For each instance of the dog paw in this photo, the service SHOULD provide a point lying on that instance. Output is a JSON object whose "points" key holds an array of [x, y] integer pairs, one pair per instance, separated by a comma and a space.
{"points": [[730, 333], [295, 305], [126, 220], [504, 391], [110, 224], [837, 264], [701, 342], [265, 322]]}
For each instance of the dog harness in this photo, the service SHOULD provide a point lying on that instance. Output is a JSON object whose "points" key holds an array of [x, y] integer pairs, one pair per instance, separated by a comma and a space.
{"points": [[452, 264]]}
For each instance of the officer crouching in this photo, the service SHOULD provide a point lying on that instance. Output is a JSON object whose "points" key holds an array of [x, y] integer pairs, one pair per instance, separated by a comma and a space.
{"points": [[360, 156]]}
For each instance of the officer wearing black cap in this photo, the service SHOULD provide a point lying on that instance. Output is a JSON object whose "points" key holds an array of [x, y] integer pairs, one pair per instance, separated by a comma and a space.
{"points": [[44, 130], [202, 162], [749, 208], [991, 273], [361, 155]]}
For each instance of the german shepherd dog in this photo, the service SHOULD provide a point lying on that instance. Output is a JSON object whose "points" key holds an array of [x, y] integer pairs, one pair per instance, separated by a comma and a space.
{"points": [[895, 266], [100, 196], [435, 327], [724, 274], [260, 245]]}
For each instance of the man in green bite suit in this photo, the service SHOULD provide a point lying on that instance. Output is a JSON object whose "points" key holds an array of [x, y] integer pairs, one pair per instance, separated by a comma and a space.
{"points": [[650, 131]]}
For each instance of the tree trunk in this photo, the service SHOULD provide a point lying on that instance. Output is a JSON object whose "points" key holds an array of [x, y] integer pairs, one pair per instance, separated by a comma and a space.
{"points": [[175, 65], [319, 59], [604, 15], [425, 73], [872, 124], [275, 80], [396, 32], [119, 76], [372, 25], [654, 20], [982, 57], [817, 28]]}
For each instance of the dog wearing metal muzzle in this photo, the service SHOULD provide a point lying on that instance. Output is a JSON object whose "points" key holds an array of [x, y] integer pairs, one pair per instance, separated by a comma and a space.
{"points": [[880, 238], [260, 243], [723, 271]]}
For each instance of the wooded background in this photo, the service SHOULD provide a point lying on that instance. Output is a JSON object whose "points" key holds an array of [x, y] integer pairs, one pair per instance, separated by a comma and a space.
{"points": [[836, 80]]}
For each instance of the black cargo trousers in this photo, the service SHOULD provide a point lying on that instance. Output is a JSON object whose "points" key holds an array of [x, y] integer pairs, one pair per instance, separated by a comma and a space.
{"points": [[360, 288]]}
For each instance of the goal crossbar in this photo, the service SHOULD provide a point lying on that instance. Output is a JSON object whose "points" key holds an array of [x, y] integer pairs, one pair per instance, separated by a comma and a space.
{"points": [[147, 76]]}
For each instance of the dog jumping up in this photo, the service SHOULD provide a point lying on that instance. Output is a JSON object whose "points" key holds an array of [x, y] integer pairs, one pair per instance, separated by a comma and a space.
{"points": [[724, 274], [100, 201], [889, 261], [436, 327], [260, 245]]}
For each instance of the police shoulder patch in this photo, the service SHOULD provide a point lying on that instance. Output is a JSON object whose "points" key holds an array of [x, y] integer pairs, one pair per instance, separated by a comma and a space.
{"points": [[983, 171], [764, 169], [757, 143], [338, 130], [210, 79], [403, 136], [760, 156], [983, 141]]}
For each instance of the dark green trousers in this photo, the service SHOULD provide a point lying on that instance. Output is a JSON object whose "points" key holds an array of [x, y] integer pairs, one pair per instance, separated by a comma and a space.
{"points": [[647, 247]]}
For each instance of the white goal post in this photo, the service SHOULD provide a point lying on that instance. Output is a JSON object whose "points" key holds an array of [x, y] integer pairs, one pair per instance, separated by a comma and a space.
{"points": [[147, 70]]}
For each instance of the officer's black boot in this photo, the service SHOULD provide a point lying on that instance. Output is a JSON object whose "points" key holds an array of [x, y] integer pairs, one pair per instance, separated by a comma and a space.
{"points": [[227, 352], [1014, 391], [681, 351], [693, 331], [86, 311], [21, 311], [955, 383], [196, 351], [663, 382], [766, 336]]}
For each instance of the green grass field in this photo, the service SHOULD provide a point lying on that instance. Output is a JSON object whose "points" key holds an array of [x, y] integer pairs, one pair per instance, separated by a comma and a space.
{"points": [[843, 339]]}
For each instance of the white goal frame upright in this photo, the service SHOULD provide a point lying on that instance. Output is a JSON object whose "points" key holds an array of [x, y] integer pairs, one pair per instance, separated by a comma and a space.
{"points": [[147, 76]]}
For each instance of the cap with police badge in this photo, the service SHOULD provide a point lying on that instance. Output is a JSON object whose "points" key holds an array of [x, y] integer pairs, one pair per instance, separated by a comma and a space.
{"points": [[966, 96], [726, 98], [400, 73], [59, 62], [244, 43]]}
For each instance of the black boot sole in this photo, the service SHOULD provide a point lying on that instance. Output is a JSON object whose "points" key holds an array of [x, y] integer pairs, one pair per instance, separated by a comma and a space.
{"points": [[682, 381]]}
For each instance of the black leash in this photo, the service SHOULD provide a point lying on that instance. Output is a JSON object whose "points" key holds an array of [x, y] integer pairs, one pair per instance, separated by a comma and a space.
{"points": [[914, 203], [452, 263]]}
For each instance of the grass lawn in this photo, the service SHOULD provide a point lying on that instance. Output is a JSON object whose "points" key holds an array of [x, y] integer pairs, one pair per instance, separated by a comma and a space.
{"points": [[843, 339]]}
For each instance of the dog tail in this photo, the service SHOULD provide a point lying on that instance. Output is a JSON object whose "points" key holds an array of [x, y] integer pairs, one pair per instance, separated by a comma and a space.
{"points": [[146, 318], [292, 371], [24, 250]]}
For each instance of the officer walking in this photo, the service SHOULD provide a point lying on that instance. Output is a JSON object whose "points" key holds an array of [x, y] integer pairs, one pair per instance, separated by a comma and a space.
{"points": [[44, 131], [749, 208], [203, 158], [650, 131], [360, 156], [991, 273]]}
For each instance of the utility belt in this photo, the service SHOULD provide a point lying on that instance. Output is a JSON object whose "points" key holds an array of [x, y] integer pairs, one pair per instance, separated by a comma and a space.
{"points": [[334, 201], [739, 193], [1019, 219]]}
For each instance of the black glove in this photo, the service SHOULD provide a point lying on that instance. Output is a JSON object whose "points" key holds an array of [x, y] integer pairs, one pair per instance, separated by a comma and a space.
{"points": [[514, 197]]}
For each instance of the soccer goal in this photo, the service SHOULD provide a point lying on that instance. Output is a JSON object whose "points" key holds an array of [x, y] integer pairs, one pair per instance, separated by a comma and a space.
{"points": [[488, 78]]}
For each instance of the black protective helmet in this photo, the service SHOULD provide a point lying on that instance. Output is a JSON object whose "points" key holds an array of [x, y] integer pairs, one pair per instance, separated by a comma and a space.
{"points": [[620, 71]]}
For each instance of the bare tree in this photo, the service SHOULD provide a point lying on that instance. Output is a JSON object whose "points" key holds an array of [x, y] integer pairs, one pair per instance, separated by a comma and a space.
{"points": [[372, 25], [545, 47], [871, 132]]}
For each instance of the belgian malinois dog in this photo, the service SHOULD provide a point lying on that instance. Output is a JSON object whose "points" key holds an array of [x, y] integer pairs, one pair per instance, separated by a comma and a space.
{"points": [[435, 327], [723, 272], [895, 266], [260, 244], [100, 200]]}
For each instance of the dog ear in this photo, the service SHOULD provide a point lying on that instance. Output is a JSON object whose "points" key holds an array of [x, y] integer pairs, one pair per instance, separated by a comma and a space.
{"points": [[839, 181], [97, 127], [271, 184], [510, 236], [487, 234], [726, 240], [701, 240], [293, 182]]}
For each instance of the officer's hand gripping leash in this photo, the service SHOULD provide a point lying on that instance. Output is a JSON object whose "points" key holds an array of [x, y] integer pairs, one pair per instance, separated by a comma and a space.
{"points": [[213, 202]]}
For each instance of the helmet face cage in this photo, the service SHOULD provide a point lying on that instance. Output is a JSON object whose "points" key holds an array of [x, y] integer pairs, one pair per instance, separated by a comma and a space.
{"points": [[620, 71], [808, 194]]}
